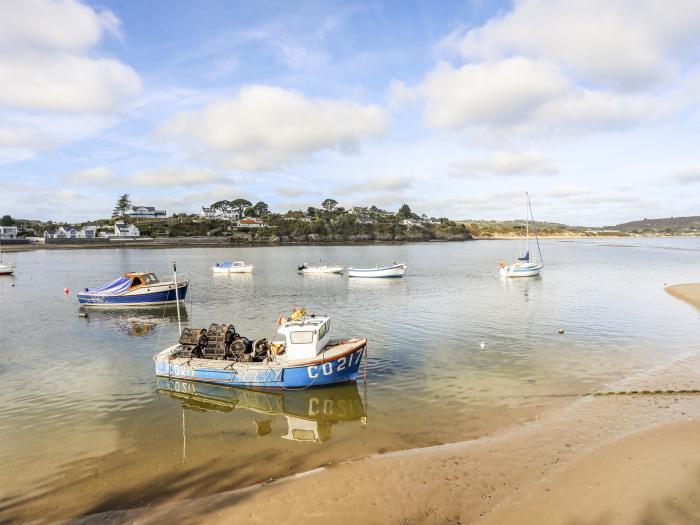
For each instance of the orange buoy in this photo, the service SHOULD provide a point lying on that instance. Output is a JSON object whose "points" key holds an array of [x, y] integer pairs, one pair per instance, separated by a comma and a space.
{"points": [[66, 291], [501, 264]]}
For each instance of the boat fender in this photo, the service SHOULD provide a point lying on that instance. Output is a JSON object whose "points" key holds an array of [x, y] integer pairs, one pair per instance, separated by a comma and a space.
{"points": [[501, 264]]}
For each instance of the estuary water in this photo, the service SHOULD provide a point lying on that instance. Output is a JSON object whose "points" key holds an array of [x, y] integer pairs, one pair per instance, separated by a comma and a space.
{"points": [[86, 427]]}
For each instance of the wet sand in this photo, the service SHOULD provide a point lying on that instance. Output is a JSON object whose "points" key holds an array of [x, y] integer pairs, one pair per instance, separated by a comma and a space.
{"points": [[689, 293], [602, 459]]}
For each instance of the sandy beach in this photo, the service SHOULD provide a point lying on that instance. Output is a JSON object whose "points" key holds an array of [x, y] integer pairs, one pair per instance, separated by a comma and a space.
{"points": [[689, 293], [627, 457]]}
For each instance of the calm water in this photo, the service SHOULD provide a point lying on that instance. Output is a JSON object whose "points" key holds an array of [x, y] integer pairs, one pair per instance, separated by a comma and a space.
{"points": [[86, 427]]}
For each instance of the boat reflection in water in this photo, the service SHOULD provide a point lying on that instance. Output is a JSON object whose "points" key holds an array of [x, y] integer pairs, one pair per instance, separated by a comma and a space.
{"points": [[134, 321], [310, 413]]}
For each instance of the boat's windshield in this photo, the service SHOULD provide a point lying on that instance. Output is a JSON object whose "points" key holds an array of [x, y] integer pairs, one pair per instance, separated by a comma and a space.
{"points": [[303, 337], [150, 278]]}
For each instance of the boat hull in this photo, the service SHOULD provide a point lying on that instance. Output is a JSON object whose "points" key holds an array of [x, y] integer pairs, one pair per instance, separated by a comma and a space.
{"points": [[341, 368], [396, 270], [233, 269], [322, 270], [159, 296], [521, 271], [6, 270]]}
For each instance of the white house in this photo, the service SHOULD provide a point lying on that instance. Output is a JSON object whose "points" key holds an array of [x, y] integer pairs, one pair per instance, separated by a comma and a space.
{"points": [[8, 232], [57, 233], [121, 229], [88, 232], [71, 232], [145, 212], [209, 213]]}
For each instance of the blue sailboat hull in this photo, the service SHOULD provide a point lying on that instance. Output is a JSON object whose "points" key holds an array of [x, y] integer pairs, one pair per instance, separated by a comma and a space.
{"points": [[340, 369], [158, 297]]}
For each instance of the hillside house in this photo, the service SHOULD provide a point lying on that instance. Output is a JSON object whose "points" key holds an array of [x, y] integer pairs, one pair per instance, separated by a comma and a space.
{"points": [[145, 212], [8, 232]]}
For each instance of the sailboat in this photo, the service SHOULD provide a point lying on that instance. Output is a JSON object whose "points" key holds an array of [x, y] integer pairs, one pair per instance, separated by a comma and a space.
{"points": [[6, 268], [526, 266]]}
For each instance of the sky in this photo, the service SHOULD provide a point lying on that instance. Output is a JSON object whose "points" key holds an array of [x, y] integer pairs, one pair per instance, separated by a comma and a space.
{"points": [[455, 108]]}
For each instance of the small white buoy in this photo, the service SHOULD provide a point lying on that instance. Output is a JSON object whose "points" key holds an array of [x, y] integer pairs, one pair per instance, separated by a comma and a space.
{"points": [[483, 345]]}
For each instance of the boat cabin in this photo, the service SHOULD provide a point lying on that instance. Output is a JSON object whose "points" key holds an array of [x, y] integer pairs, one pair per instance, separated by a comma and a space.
{"points": [[229, 264], [306, 337], [141, 278]]}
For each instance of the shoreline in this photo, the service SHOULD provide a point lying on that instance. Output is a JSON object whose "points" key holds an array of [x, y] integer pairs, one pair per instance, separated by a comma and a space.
{"points": [[598, 459], [690, 293], [189, 242], [14, 248]]}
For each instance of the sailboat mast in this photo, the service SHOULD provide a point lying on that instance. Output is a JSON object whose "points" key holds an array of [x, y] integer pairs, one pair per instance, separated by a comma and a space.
{"points": [[527, 227]]}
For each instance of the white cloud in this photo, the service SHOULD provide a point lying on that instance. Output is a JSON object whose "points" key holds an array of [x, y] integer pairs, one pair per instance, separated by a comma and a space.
{"points": [[623, 43], [265, 127], [528, 96], [46, 60], [93, 176], [167, 177], [504, 163], [687, 176], [385, 183]]}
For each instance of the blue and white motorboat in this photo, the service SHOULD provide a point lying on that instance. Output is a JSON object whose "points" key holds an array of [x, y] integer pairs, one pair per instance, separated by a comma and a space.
{"points": [[395, 270], [135, 288], [232, 267], [300, 355]]}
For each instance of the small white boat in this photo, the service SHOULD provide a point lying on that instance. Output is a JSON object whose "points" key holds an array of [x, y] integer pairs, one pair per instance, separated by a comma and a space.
{"points": [[232, 267], [305, 268], [395, 270], [6, 268], [525, 267]]}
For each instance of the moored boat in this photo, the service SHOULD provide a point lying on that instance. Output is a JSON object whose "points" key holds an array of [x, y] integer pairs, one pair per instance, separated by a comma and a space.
{"points": [[135, 288], [301, 355], [232, 267], [395, 270], [6, 268], [306, 269], [525, 267]]}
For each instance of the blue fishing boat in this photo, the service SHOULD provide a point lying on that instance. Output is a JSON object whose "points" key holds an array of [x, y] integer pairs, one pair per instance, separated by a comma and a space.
{"points": [[300, 355], [134, 288]]}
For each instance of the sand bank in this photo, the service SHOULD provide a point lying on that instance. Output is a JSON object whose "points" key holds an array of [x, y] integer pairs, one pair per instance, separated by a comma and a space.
{"points": [[619, 445], [686, 292]]}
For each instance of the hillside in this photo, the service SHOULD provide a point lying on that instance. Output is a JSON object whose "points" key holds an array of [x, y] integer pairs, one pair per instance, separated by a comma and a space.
{"points": [[664, 225]]}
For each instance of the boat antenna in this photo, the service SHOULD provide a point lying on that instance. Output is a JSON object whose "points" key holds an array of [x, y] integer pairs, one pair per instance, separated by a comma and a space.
{"points": [[177, 299], [534, 228]]}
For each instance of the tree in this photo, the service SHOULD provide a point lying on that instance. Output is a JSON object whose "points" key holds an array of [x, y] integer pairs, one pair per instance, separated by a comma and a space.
{"points": [[241, 204], [329, 204], [261, 209], [123, 204], [250, 212], [220, 206], [405, 211], [311, 211], [7, 221]]}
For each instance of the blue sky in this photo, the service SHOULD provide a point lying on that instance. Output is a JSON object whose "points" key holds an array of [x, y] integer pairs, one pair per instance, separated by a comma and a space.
{"points": [[452, 107]]}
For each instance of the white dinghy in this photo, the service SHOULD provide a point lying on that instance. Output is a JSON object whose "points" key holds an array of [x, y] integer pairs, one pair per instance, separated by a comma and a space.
{"points": [[525, 266], [395, 270], [306, 269], [232, 267]]}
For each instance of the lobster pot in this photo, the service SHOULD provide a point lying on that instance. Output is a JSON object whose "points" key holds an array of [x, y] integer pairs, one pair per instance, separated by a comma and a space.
{"points": [[219, 337], [193, 336]]}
